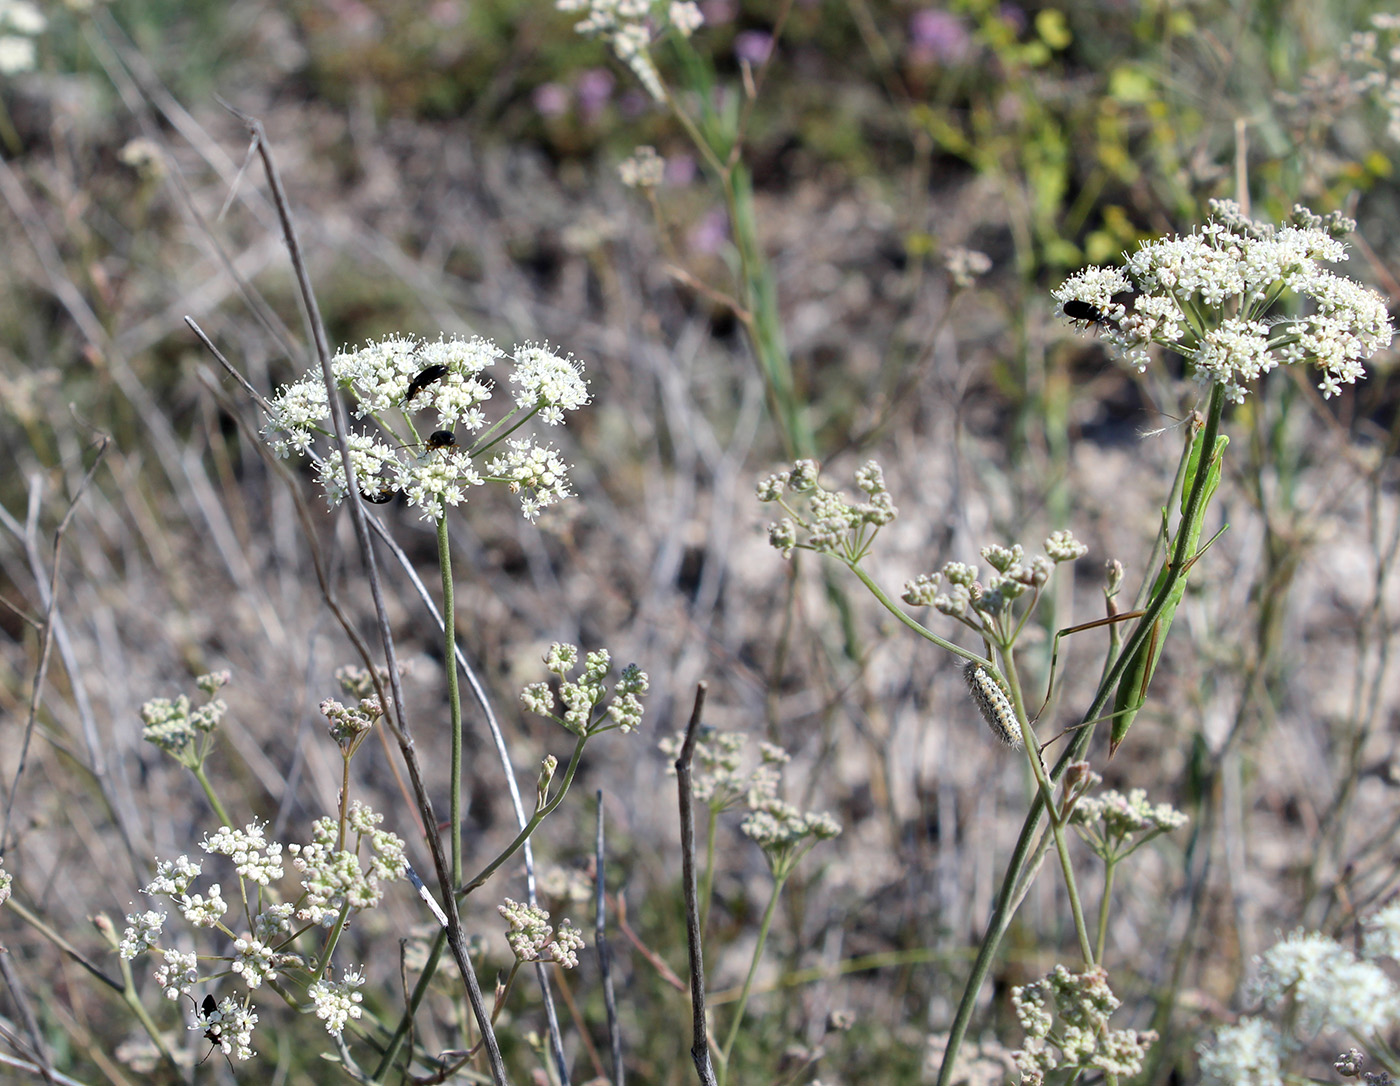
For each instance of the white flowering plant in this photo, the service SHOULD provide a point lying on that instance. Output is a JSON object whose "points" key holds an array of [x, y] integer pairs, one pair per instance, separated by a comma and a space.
{"points": [[631, 29], [784, 832], [341, 871], [1065, 1018], [1237, 299], [1310, 989], [996, 608], [425, 431]]}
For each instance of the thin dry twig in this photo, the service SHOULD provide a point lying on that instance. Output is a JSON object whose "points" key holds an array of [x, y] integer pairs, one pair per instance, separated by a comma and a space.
{"points": [[36, 698], [469, 672], [700, 1046], [36, 695], [394, 717]]}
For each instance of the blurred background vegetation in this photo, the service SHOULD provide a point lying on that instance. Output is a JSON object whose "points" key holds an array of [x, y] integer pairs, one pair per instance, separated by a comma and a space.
{"points": [[453, 168]]}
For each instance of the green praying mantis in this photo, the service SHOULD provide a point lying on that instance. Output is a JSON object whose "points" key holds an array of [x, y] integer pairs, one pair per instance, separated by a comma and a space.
{"points": [[1168, 589]]}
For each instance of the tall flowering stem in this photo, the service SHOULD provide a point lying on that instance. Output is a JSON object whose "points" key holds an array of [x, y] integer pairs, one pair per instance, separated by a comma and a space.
{"points": [[1237, 299], [742, 1004], [1009, 896], [454, 698]]}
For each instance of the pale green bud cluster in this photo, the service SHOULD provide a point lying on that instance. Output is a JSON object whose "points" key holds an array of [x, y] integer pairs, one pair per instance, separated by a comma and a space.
{"points": [[986, 607], [1065, 1017], [532, 939], [784, 832], [589, 707], [832, 524], [182, 731], [1114, 824]]}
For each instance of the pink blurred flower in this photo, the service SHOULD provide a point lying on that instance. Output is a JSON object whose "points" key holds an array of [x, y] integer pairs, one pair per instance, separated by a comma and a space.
{"points": [[551, 100], [937, 37], [718, 12], [594, 88], [710, 233], [680, 169], [445, 13], [1014, 16], [753, 46]]}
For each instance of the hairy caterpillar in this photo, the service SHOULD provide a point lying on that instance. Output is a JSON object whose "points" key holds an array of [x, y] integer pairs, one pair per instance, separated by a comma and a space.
{"points": [[994, 703]]}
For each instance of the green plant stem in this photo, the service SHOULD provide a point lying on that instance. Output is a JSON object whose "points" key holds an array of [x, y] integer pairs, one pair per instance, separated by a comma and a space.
{"points": [[219, 811], [420, 990], [133, 1002], [535, 819], [707, 884], [763, 927], [1047, 796], [454, 700], [1109, 868], [922, 631], [1007, 897], [331, 939]]}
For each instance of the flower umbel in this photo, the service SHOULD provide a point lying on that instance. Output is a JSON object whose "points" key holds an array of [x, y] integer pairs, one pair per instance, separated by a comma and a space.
{"points": [[833, 525], [784, 832], [1115, 825], [1315, 985], [588, 710], [397, 380], [532, 939], [630, 26], [184, 732], [1065, 1017], [1228, 299]]}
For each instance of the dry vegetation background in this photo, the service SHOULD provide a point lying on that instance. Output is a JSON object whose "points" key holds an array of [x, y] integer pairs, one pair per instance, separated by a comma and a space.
{"points": [[433, 196]]}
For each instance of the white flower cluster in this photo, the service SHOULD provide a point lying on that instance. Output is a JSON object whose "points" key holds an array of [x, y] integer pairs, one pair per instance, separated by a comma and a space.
{"points": [[253, 856], [1319, 986], [1115, 825], [628, 27], [966, 266], [782, 831], [230, 1026], [643, 169], [719, 784], [347, 725], [400, 377], [532, 939], [336, 1003], [1223, 298], [1370, 69], [1065, 1016], [142, 932], [785, 833], [981, 606], [334, 881], [179, 973], [20, 22], [583, 697], [835, 526]]}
